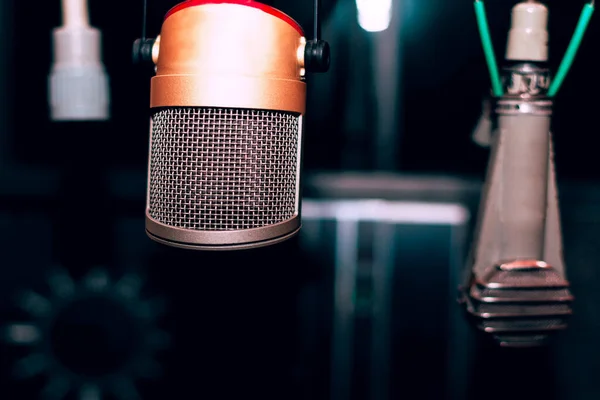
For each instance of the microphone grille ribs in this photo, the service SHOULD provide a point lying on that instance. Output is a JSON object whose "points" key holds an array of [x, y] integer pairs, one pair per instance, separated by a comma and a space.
{"points": [[223, 169], [519, 303]]}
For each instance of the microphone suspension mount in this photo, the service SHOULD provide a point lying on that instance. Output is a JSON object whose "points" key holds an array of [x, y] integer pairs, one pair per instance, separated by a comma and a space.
{"points": [[142, 50], [317, 54]]}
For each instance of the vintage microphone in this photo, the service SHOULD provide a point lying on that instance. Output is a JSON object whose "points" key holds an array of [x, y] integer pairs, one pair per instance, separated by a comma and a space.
{"points": [[516, 287], [228, 102]]}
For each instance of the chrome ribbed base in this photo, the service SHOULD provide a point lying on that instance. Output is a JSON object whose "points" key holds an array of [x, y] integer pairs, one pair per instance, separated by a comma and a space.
{"points": [[519, 303]]}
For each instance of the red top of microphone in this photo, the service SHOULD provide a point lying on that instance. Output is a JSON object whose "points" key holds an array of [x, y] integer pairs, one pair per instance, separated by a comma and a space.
{"points": [[250, 3]]}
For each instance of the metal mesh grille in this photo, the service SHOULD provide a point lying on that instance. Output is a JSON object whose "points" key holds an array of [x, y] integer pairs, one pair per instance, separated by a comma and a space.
{"points": [[216, 169]]}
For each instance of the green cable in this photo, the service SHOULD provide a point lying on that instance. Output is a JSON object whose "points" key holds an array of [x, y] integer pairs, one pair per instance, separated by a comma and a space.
{"points": [[567, 61], [488, 48]]}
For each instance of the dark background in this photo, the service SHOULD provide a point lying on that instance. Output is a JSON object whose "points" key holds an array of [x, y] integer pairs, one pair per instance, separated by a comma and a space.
{"points": [[72, 194], [443, 81]]}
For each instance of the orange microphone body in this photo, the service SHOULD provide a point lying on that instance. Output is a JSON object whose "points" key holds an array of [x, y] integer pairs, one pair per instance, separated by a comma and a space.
{"points": [[227, 105]]}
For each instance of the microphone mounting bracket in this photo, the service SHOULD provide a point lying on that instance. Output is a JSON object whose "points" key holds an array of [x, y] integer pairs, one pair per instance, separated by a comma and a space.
{"points": [[142, 50], [317, 55]]}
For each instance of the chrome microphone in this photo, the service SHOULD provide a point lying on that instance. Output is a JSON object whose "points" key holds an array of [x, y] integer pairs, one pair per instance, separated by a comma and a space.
{"points": [[516, 287], [227, 104]]}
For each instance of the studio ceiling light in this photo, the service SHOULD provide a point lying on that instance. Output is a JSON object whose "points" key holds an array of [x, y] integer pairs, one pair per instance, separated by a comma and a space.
{"points": [[374, 15]]}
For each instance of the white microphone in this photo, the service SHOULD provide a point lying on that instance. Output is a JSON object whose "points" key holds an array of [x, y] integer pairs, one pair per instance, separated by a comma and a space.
{"points": [[227, 103], [78, 84]]}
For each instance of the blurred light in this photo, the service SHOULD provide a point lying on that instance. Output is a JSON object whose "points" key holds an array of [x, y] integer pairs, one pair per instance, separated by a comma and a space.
{"points": [[374, 15]]}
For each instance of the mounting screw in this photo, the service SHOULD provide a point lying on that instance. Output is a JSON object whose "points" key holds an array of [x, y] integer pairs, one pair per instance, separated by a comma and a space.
{"points": [[142, 50], [317, 56]]}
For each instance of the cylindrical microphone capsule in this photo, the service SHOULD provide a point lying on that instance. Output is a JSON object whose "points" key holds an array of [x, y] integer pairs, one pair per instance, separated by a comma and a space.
{"points": [[227, 104]]}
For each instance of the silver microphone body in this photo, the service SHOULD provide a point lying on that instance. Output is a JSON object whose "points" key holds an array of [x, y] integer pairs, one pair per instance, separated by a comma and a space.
{"points": [[516, 288]]}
